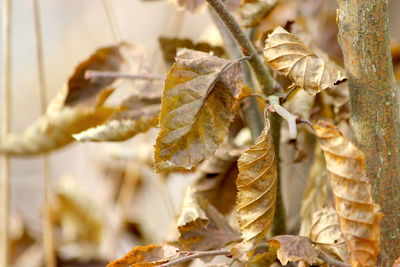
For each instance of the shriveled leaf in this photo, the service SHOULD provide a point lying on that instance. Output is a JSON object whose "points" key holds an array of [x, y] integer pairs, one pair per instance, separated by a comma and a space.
{"points": [[169, 47], [316, 193], [201, 94], [54, 129], [326, 234], [139, 113], [263, 256], [257, 186], [146, 256], [358, 215], [288, 54], [294, 248], [119, 58], [201, 226], [253, 11], [216, 177]]}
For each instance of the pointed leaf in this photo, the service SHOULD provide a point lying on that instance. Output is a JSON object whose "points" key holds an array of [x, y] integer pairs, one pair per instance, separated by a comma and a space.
{"points": [[201, 226], [294, 248], [139, 113], [201, 94], [358, 215], [288, 54], [257, 185]]}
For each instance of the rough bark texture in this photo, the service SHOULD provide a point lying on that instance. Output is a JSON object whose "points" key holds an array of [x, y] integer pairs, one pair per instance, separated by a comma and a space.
{"points": [[374, 100]]}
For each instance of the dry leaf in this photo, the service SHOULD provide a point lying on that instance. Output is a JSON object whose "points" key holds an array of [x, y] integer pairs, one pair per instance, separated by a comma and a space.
{"points": [[288, 54], [252, 12], [169, 47], [315, 194], [138, 114], [201, 94], [294, 248], [54, 129], [216, 179], [76, 107], [146, 256], [257, 185], [190, 5], [201, 226], [358, 215], [326, 234], [396, 263]]}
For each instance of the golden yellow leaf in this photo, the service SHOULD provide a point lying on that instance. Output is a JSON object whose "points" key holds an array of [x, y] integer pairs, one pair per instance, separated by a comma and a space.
{"points": [[201, 94], [252, 12], [170, 46], [288, 54], [294, 248], [201, 226], [257, 185], [137, 115], [358, 215], [146, 256], [326, 234]]}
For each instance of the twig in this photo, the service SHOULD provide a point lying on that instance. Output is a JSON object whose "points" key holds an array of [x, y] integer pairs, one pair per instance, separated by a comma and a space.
{"points": [[188, 256], [331, 261], [112, 21], [269, 86], [6, 55], [48, 236], [289, 117], [92, 74]]}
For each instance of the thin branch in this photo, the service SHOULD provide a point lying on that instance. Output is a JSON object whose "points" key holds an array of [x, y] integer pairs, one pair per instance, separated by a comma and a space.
{"points": [[112, 20], [331, 261], [188, 256], [289, 117], [269, 85], [48, 236], [92, 74], [6, 55]]}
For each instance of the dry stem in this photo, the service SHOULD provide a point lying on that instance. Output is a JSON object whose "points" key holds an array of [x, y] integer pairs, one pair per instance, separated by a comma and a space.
{"points": [[189, 255]]}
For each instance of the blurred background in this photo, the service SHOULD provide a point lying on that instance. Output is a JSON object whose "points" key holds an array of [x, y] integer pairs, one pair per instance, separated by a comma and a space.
{"points": [[96, 221]]}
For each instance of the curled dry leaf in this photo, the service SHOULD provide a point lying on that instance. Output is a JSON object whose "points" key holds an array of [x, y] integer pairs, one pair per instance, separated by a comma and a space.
{"points": [[146, 256], [216, 177], [257, 185], [326, 234], [201, 94], [288, 54], [138, 114], [169, 47], [77, 107], [316, 193], [252, 12], [358, 215], [294, 248], [201, 226]]}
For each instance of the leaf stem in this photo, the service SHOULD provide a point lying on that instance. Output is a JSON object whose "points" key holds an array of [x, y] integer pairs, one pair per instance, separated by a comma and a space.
{"points": [[269, 86], [331, 261], [191, 255]]}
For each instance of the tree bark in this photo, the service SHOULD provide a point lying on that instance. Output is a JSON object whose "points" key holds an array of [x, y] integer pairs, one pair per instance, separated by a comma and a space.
{"points": [[374, 102]]}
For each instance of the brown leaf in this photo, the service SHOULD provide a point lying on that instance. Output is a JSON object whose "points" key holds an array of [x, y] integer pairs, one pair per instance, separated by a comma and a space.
{"points": [[396, 263], [252, 12], [201, 94], [257, 185], [146, 256], [294, 248], [358, 215], [216, 179], [54, 129], [201, 226], [326, 234], [288, 54], [138, 114], [169, 47], [83, 91]]}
